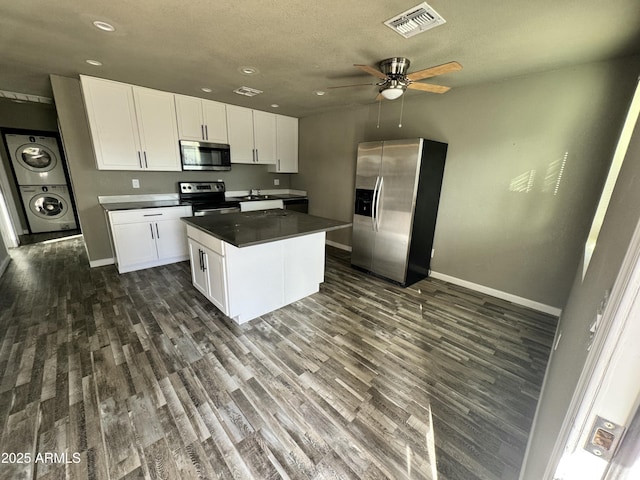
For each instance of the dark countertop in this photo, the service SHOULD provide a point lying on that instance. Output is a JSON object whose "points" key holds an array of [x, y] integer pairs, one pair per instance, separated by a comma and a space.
{"points": [[269, 196], [109, 207], [261, 226]]}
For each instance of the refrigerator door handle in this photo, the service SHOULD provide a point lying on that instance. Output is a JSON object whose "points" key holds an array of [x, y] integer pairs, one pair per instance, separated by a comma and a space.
{"points": [[373, 207], [377, 203]]}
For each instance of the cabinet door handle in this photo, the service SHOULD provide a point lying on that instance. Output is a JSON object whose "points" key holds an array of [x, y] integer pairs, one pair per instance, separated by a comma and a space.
{"points": [[200, 258], [157, 231], [202, 130], [151, 228], [257, 156], [206, 132], [146, 165], [278, 165], [139, 159], [204, 261]]}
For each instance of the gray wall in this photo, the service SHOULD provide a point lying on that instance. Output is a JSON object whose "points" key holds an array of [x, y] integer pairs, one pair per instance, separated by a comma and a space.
{"points": [[88, 182], [27, 116], [501, 223], [568, 360]]}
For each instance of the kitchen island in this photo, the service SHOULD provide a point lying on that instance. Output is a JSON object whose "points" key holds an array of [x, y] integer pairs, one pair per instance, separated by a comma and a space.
{"points": [[251, 263]]}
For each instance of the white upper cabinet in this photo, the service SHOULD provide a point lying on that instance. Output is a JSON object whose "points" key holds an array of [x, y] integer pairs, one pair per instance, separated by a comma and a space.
{"points": [[286, 145], [132, 128], [252, 135], [201, 120]]}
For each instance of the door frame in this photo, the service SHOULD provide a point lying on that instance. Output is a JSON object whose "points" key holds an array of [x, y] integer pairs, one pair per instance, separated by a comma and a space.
{"points": [[609, 385]]}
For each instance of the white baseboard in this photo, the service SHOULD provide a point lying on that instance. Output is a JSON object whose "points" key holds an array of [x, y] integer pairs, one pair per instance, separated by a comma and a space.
{"points": [[102, 262], [4, 265], [525, 302], [341, 246]]}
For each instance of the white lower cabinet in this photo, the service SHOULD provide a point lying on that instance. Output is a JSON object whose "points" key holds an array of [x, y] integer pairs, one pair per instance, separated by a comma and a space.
{"points": [[208, 274], [247, 282], [148, 237]]}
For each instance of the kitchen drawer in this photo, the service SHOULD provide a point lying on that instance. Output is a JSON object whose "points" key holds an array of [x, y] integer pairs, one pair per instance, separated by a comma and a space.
{"points": [[206, 240], [148, 215]]}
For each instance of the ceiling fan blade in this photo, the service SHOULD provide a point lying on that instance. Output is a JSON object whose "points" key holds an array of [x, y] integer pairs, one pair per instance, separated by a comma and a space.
{"points": [[354, 85], [428, 87], [372, 71], [435, 71]]}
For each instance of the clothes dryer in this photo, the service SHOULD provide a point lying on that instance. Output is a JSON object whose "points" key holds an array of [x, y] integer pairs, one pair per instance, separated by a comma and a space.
{"points": [[36, 159], [48, 208]]}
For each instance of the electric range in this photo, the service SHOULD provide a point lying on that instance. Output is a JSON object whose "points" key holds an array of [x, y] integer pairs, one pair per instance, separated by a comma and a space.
{"points": [[206, 198]]}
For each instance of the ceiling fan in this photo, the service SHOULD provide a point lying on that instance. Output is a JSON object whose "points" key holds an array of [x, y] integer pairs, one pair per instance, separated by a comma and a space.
{"points": [[395, 79]]}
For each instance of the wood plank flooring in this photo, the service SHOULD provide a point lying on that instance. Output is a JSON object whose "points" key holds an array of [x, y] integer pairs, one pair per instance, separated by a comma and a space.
{"points": [[107, 376]]}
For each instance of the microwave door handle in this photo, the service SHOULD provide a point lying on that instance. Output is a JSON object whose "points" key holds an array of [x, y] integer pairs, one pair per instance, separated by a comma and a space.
{"points": [[373, 206]]}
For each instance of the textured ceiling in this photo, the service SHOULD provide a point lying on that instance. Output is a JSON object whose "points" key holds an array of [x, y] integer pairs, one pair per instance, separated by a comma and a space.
{"points": [[299, 46]]}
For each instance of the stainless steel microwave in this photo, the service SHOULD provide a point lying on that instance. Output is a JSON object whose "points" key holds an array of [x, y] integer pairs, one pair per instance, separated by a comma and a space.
{"points": [[205, 156]]}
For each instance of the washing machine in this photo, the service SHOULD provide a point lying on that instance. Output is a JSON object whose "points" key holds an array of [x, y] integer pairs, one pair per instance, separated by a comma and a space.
{"points": [[48, 208], [36, 159]]}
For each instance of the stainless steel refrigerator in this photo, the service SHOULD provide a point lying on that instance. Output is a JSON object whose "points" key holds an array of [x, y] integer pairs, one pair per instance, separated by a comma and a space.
{"points": [[398, 186]]}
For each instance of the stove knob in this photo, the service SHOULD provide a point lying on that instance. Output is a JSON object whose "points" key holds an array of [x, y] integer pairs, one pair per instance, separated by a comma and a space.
{"points": [[45, 189]]}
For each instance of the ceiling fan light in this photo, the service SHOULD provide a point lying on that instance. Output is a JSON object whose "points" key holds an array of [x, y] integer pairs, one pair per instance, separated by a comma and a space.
{"points": [[392, 93]]}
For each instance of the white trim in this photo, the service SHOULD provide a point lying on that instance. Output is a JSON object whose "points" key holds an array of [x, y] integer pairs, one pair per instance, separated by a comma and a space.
{"points": [[102, 262], [4, 265], [341, 246], [541, 307]]}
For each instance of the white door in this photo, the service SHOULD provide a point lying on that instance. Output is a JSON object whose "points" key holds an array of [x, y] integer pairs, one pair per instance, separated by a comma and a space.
{"points": [[286, 144], [190, 122], [113, 124], [264, 134], [156, 113], [240, 125], [135, 243], [215, 121], [171, 238], [199, 275], [609, 387]]}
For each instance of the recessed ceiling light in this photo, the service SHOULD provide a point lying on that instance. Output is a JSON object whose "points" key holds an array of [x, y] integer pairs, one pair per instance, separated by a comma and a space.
{"points": [[320, 92], [95, 63], [206, 89], [248, 70], [104, 26], [275, 105]]}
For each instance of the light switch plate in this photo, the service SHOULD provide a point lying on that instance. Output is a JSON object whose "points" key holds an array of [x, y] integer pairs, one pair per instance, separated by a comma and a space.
{"points": [[135, 183]]}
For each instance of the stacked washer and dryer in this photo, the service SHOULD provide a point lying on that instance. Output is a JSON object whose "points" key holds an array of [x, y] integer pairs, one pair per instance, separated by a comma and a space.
{"points": [[39, 172]]}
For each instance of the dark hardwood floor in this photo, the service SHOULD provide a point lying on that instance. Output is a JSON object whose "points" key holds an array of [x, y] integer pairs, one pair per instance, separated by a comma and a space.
{"points": [[139, 376]]}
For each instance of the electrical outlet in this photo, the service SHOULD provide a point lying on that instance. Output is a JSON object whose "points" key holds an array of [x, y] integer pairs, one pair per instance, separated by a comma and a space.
{"points": [[135, 183], [276, 181]]}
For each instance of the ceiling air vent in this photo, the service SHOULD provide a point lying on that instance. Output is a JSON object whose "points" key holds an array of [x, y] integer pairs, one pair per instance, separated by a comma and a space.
{"points": [[247, 91], [415, 20]]}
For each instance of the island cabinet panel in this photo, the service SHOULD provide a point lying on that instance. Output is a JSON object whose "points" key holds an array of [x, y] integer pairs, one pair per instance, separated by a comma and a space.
{"points": [[256, 280], [132, 128], [303, 266], [144, 238]]}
